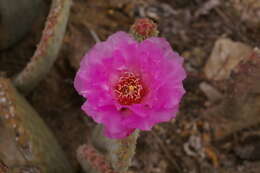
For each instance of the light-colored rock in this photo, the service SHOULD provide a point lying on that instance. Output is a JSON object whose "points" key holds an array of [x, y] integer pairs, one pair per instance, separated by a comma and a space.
{"points": [[212, 93], [224, 58], [240, 106], [249, 10], [206, 7]]}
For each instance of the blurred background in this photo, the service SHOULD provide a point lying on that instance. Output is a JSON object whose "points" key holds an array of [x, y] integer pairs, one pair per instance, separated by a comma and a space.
{"points": [[217, 128]]}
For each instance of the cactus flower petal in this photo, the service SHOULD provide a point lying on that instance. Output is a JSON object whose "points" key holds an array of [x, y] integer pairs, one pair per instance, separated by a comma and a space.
{"points": [[130, 85]]}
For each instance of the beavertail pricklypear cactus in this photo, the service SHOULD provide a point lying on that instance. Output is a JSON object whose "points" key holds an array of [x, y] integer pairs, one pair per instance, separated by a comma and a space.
{"points": [[17, 18], [48, 48], [26, 143]]}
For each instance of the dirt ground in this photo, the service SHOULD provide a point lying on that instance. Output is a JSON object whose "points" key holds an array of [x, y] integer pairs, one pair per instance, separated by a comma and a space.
{"points": [[182, 145]]}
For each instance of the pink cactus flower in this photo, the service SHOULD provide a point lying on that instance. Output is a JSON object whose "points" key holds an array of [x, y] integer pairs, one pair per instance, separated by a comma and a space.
{"points": [[130, 85]]}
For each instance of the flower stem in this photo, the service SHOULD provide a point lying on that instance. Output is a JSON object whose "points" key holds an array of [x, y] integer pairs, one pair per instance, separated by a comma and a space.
{"points": [[118, 151]]}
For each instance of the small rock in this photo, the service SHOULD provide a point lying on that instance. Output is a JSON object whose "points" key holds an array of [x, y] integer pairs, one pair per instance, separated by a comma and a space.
{"points": [[195, 57], [249, 149], [212, 93], [248, 10], [206, 7], [194, 147], [225, 56], [119, 3]]}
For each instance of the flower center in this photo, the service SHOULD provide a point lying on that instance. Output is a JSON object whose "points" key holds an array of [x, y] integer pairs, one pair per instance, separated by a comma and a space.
{"points": [[129, 89]]}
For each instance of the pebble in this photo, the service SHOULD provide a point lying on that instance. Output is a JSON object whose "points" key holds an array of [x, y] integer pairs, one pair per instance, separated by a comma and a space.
{"points": [[2, 100], [225, 56], [211, 92], [6, 116]]}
